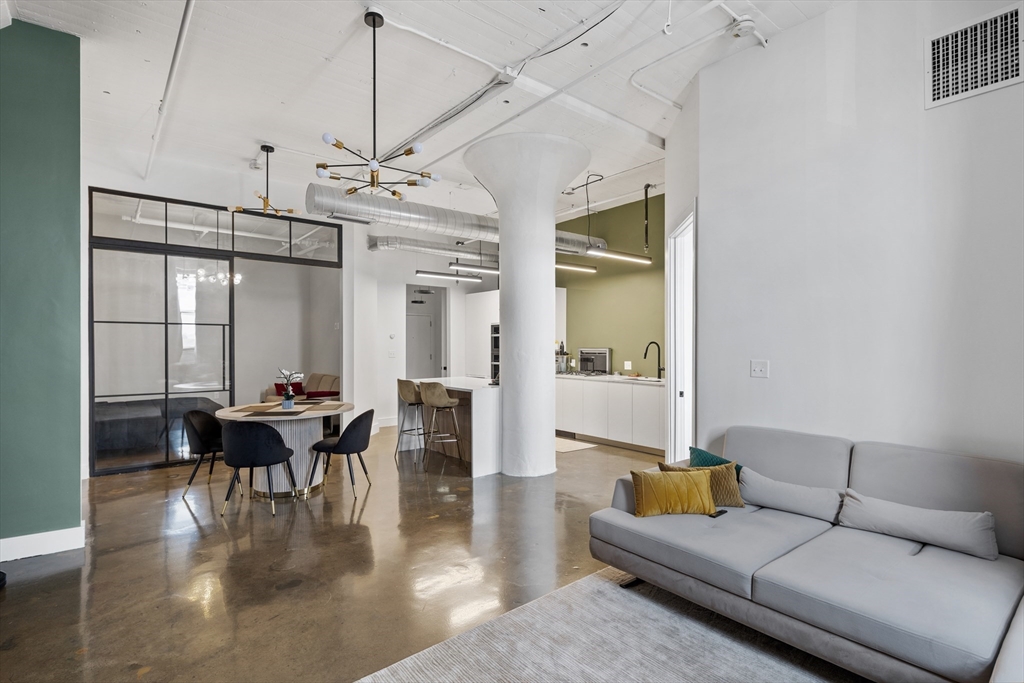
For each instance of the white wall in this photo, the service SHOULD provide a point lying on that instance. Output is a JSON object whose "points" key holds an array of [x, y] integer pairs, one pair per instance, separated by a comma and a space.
{"points": [[870, 249]]}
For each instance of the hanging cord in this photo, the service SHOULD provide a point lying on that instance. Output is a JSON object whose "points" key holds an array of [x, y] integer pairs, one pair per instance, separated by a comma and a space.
{"points": [[586, 188], [647, 245], [667, 30], [374, 89]]}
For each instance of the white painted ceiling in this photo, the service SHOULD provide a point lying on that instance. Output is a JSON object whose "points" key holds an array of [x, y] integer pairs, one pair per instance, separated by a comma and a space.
{"points": [[285, 72]]}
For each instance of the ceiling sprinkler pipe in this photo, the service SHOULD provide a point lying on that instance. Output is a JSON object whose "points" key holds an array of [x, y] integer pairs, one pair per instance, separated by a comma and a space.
{"points": [[324, 200]]}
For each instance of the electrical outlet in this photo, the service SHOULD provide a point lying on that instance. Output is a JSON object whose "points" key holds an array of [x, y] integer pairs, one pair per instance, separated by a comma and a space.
{"points": [[391, 353], [759, 369], [627, 365]]}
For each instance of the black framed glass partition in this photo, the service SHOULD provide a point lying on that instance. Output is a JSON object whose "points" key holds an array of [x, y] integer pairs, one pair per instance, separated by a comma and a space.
{"points": [[161, 314]]}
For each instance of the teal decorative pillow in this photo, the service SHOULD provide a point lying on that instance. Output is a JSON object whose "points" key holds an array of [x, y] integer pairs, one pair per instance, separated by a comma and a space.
{"points": [[701, 458]]}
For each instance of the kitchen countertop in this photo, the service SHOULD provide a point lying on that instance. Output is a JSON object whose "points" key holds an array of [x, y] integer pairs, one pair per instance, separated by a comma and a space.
{"points": [[461, 383], [653, 381]]}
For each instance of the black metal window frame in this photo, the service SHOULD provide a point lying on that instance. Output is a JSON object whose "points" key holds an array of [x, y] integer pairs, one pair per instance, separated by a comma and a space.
{"points": [[227, 329]]}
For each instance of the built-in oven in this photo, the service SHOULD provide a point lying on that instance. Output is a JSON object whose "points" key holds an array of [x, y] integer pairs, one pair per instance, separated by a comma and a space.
{"points": [[595, 361]]}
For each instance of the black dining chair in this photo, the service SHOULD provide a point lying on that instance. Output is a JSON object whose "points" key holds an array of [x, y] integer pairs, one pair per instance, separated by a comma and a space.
{"points": [[204, 438], [255, 444], [354, 440]]}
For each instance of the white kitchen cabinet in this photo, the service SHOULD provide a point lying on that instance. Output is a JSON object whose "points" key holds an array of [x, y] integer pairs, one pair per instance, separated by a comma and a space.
{"points": [[648, 412], [568, 405], [620, 412], [595, 408], [481, 312], [483, 309]]}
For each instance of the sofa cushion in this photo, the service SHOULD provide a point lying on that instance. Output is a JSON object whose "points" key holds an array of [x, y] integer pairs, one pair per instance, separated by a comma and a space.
{"points": [[939, 480], [724, 551], [941, 610], [794, 457], [973, 533], [811, 501]]}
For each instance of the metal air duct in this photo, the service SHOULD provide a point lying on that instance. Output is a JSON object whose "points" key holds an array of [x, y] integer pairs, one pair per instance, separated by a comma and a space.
{"points": [[324, 200]]}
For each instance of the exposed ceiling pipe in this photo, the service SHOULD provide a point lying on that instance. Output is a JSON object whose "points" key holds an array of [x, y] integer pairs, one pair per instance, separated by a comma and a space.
{"points": [[594, 70], [324, 200], [393, 243], [512, 75], [172, 73], [697, 43], [738, 19]]}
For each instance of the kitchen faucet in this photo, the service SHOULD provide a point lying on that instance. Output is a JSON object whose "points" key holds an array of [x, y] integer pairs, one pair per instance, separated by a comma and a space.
{"points": [[660, 369]]}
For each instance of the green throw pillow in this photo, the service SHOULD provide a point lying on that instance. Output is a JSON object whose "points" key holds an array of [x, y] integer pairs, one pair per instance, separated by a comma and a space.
{"points": [[701, 458]]}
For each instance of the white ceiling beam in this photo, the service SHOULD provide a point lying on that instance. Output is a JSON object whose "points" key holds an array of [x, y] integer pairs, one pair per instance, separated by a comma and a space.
{"points": [[575, 104]]}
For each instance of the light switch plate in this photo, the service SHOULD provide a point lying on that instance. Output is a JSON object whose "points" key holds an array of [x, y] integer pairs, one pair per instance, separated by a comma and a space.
{"points": [[759, 369], [627, 365], [391, 353]]}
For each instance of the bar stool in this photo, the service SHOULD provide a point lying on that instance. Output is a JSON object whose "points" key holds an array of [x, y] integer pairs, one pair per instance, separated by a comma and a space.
{"points": [[408, 392], [436, 396]]}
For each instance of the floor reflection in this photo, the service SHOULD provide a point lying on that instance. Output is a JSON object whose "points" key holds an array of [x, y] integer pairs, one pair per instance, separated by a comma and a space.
{"points": [[332, 588]]}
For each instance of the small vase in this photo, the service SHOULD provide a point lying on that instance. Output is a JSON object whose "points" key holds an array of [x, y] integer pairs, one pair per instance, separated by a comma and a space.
{"points": [[288, 404]]}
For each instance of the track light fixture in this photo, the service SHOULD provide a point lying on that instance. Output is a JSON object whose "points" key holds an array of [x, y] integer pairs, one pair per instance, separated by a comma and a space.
{"points": [[264, 196], [619, 255], [474, 268], [449, 276], [374, 19], [575, 266]]}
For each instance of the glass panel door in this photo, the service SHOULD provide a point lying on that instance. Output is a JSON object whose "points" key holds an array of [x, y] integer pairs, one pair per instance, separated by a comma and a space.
{"points": [[161, 346]]}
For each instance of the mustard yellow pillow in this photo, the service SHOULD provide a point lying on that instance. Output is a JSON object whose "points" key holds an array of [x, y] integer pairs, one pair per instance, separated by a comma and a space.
{"points": [[725, 490], [673, 493]]}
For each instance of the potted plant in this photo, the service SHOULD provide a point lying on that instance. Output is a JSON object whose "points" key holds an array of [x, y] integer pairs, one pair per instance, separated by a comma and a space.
{"points": [[288, 398]]}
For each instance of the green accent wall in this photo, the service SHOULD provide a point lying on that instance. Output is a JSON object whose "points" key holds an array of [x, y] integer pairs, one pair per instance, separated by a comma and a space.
{"points": [[40, 228], [622, 306]]}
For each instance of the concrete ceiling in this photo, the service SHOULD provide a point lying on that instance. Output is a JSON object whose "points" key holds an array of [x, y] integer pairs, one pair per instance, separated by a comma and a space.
{"points": [[285, 72]]}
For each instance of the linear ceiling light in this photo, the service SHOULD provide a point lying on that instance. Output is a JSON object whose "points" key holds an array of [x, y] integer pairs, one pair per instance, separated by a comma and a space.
{"points": [[449, 276], [474, 268], [620, 255], [576, 267]]}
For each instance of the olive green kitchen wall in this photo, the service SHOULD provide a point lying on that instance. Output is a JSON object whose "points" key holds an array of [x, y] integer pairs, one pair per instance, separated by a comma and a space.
{"points": [[622, 306], [40, 245]]}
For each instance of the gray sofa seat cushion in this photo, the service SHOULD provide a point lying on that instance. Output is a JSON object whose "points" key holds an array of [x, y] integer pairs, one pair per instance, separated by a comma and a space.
{"points": [[724, 552], [941, 610]]}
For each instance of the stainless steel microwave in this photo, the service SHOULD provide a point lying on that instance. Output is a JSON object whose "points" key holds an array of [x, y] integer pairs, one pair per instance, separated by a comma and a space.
{"points": [[596, 361]]}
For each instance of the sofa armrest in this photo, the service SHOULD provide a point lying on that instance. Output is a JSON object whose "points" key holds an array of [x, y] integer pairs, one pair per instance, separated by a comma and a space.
{"points": [[1010, 662], [622, 496]]}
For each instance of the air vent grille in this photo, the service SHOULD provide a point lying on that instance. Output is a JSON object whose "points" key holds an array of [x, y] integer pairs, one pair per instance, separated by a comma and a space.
{"points": [[974, 59]]}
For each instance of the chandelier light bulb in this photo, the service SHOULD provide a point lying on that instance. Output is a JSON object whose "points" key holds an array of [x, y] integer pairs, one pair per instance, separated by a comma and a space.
{"points": [[201, 272], [374, 165], [436, 177], [417, 148], [423, 182], [329, 139], [323, 173]]}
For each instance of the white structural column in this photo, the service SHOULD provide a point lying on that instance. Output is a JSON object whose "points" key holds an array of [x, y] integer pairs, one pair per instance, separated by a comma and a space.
{"points": [[524, 172]]}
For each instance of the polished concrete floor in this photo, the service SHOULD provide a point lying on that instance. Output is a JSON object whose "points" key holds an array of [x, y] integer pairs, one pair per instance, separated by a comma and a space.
{"points": [[330, 589]]}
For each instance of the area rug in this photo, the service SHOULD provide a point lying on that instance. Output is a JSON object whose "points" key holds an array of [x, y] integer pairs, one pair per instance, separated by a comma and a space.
{"points": [[568, 445], [594, 630]]}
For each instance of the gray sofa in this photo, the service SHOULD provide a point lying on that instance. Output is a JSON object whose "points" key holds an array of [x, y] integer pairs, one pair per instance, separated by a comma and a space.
{"points": [[884, 607]]}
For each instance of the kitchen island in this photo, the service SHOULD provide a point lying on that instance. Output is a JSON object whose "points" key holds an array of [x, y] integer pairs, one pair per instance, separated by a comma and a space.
{"points": [[479, 416]]}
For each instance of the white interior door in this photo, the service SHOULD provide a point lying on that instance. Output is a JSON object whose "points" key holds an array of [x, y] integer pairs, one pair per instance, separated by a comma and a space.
{"points": [[420, 355], [680, 279]]}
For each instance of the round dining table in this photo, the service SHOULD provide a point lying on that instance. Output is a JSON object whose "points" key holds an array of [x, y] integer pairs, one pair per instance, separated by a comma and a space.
{"points": [[301, 427]]}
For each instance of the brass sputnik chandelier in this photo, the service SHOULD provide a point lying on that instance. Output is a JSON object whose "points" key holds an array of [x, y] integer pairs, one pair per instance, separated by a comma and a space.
{"points": [[264, 196], [374, 19]]}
